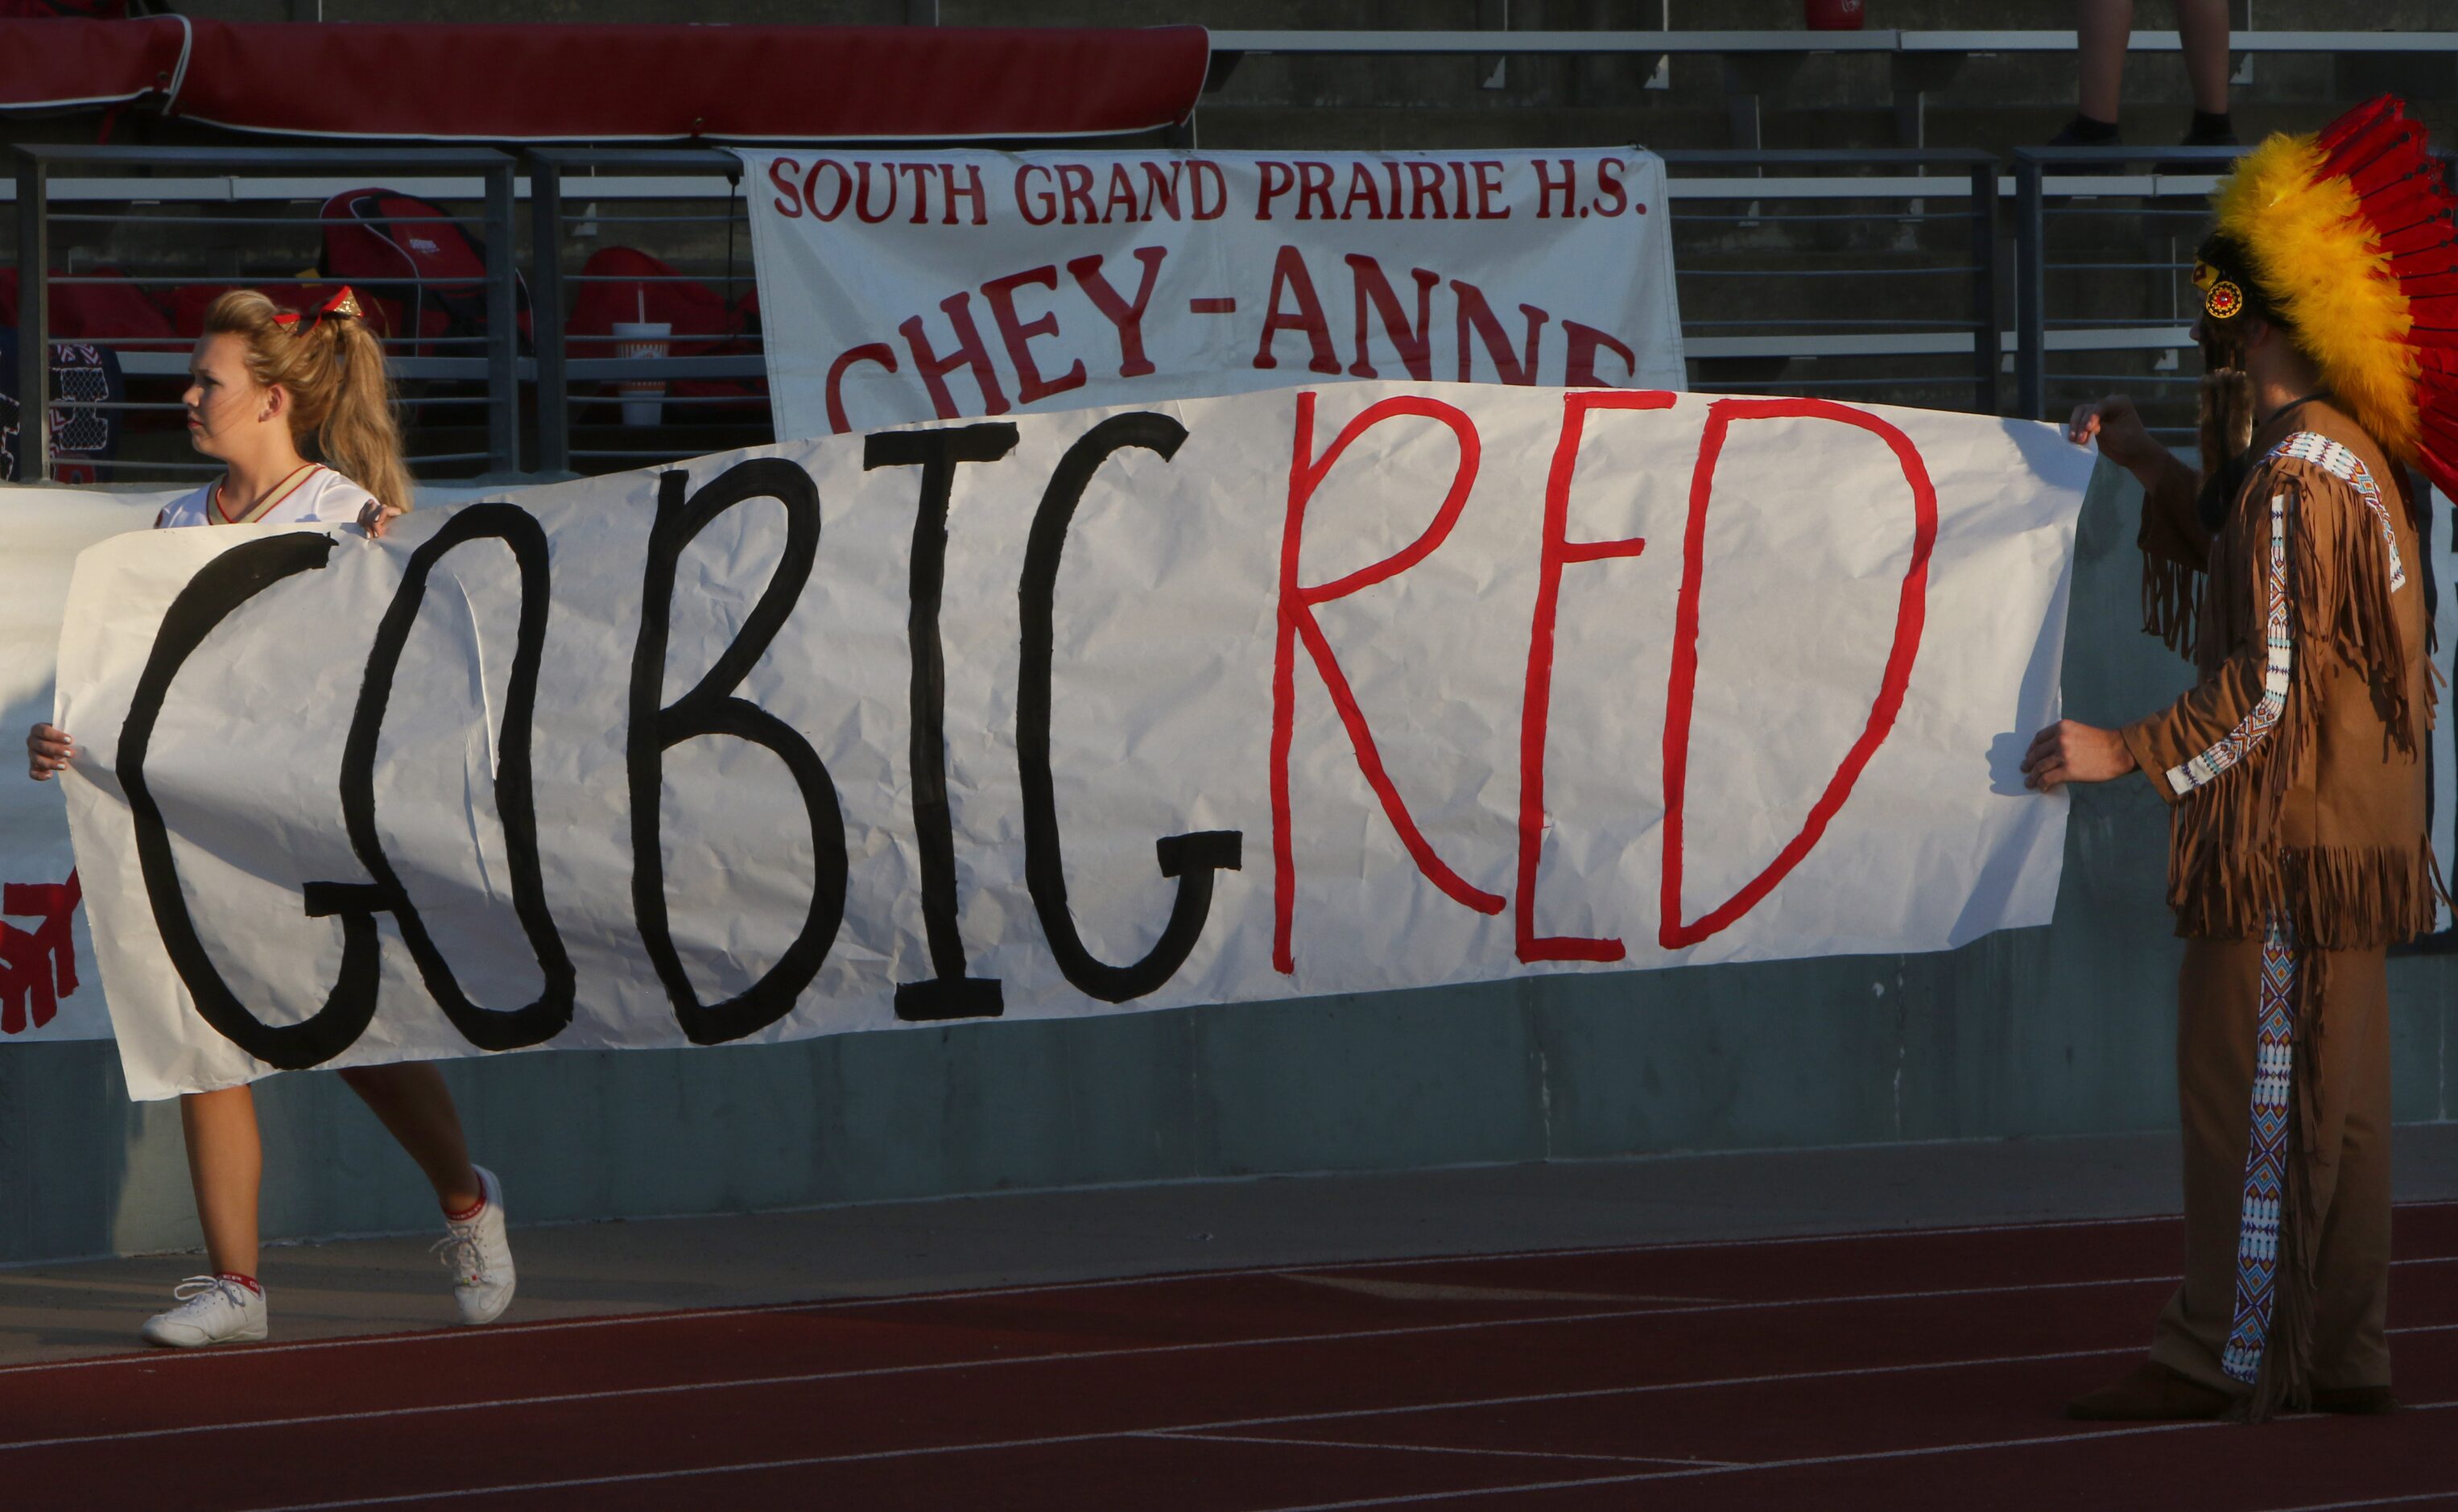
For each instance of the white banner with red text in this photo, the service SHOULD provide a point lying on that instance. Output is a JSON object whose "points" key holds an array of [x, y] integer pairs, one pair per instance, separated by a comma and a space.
{"points": [[897, 287], [1214, 700], [46, 987]]}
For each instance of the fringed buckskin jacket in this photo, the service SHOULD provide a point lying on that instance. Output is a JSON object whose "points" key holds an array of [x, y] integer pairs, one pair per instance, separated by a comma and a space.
{"points": [[2295, 766]]}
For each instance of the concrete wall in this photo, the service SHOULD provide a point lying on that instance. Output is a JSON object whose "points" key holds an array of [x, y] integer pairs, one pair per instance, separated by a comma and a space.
{"points": [[2065, 1029]]}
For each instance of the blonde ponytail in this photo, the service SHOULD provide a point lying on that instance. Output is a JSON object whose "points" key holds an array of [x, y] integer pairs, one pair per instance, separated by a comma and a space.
{"points": [[340, 397], [359, 434]]}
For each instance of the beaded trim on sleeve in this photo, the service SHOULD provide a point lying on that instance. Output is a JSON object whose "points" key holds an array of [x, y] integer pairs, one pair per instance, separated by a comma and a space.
{"points": [[2343, 464], [2232, 747]]}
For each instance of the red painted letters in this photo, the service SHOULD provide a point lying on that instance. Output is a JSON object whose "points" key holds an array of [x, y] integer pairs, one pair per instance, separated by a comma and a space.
{"points": [[1127, 315], [1559, 551], [1018, 334], [933, 369], [1297, 622], [37, 966], [1674, 931], [1289, 277], [877, 353]]}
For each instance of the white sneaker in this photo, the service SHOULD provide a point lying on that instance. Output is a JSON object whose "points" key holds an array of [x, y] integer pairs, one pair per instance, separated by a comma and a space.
{"points": [[211, 1311], [480, 1256]]}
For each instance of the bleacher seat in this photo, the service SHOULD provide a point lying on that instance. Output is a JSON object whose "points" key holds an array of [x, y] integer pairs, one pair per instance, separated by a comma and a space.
{"points": [[418, 265], [624, 283]]}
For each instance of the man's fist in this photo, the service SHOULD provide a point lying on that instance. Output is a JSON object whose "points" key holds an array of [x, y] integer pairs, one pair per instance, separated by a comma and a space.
{"points": [[2070, 751], [2117, 427]]}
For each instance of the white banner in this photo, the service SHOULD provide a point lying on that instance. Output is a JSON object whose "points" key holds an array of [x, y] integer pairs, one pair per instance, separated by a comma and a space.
{"points": [[1219, 700], [47, 991], [919, 286]]}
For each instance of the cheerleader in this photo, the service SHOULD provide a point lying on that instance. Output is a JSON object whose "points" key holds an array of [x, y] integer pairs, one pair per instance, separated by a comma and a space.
{"points": [[262, 382]]}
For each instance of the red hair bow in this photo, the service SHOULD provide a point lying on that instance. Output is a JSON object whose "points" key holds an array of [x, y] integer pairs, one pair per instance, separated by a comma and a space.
{"points": [[343, 303]]}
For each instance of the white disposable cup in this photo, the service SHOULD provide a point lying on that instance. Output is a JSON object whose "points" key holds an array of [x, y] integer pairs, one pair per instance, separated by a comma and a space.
{"points": [[644, 400]]}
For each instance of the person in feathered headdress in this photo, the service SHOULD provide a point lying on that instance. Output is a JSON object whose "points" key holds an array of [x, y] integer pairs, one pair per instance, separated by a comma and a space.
{"points": [[2290, 572]]}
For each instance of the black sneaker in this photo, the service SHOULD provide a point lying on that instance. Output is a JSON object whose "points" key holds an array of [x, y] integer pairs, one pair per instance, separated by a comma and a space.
{"points": [[2211, 131], [2084, 132]]}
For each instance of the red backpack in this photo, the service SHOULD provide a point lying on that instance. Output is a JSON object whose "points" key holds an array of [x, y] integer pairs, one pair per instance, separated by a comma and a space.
{"points": [[426, 273]]}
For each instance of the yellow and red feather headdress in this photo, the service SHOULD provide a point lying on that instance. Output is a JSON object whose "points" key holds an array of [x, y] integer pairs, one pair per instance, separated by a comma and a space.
{"points": [[2350, 240]]}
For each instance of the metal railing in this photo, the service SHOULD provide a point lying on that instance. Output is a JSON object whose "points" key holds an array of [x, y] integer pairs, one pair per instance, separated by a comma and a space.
{"points": [[1865, 275], [153, 190], [1890, 267], [2114, 312], [684, 182]]}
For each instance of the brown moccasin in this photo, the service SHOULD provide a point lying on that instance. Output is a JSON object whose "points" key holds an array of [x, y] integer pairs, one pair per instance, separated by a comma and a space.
{"points": [[2151, 1393]]}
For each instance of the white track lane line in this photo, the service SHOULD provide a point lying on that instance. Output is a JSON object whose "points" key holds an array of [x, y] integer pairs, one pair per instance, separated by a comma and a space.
{"points": [[1062, 1356], [811, 1462], [2372, 1501], [1418, 1448], [1055, 1357], [1193, 1429], [446, 1334], [1811, 1461]]}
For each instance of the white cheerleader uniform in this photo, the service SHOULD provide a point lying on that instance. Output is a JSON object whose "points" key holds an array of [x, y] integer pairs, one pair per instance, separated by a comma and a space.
{"points": [[315, 492]]}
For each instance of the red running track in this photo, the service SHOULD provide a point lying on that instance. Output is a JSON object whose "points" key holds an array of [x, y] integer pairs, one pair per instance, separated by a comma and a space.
{"points": [[1914, 1370]]}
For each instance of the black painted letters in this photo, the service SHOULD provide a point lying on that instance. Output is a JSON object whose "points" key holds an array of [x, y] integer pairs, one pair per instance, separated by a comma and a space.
{"points": [[1191, 858], [949, 993], [489, 1030], [711, 707], [218, 590]]}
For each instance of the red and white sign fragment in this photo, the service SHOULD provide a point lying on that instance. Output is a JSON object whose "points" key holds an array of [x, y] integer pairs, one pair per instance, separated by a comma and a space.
{"points": [[942, 286], [46, 978]]}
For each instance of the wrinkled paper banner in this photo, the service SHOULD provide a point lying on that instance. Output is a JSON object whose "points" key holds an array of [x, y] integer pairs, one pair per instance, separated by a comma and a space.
{"points": [[47, 991], [903, 287], [1220, 701]]}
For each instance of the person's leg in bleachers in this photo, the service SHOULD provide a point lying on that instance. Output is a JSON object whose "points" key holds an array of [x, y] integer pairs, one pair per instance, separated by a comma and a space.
{"points": [[2203, 27], [2103, 29]]}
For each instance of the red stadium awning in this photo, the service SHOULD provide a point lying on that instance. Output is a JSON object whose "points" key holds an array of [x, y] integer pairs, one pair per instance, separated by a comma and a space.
{"points": [[64, 64], [578, 83]]}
